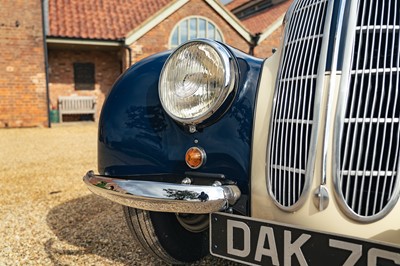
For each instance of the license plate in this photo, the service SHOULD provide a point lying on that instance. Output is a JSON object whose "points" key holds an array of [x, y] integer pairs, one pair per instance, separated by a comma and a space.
{"points": [[257, 242]]}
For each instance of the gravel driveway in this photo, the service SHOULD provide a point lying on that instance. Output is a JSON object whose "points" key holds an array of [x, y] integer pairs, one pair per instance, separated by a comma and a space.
{"points": [[47, 215]]}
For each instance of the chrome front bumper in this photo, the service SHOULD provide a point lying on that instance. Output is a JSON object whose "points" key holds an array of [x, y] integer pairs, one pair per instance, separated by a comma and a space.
{"points": [[161, 196]]}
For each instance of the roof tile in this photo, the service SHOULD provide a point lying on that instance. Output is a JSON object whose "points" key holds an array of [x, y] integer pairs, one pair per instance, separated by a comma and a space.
{"points": [[259, 22], [113, 19], [99, 19], [236, 3]]}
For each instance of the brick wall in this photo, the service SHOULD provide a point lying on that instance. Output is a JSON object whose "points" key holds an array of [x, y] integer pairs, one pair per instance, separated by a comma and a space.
{"points": [[264, 49], [61, 72], [157, 39], [23, 98]]}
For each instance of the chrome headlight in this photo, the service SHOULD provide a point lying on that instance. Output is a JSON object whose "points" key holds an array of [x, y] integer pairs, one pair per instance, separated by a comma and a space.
{"points": [[196, 80]]}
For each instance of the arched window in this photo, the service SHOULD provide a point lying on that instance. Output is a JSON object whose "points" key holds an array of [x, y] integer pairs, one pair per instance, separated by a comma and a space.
{"points": [[193, 28]]}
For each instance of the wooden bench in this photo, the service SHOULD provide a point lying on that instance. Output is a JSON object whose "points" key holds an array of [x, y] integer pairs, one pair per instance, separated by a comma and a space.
{"points": [[76, 105]]}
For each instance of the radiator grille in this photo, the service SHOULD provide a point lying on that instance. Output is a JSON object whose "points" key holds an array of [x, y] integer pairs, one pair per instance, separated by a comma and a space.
{"points": [[370, 135], [292, 115]]}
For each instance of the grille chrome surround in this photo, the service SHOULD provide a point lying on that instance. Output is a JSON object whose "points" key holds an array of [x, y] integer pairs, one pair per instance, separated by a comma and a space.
{"points": [[295, 113], [367, 131]]}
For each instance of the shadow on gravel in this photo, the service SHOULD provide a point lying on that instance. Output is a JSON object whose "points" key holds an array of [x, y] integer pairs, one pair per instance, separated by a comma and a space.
{"points": [[91, 225]]}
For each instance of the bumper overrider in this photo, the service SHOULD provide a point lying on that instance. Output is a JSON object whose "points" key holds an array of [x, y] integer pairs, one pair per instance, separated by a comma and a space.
{"points": [[162, 196]]}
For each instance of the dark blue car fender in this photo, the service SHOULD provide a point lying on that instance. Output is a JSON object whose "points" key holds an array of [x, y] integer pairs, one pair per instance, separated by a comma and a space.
{"points": [[137, 138]]}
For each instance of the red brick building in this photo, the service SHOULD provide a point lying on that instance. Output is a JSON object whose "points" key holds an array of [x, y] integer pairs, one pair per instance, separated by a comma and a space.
{"points": [[264, 20], [90, 43], [23, 93], [103, 34]]}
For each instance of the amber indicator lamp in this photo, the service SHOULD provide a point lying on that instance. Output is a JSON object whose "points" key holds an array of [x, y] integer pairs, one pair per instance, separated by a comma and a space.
{"points": [[195, 157]]}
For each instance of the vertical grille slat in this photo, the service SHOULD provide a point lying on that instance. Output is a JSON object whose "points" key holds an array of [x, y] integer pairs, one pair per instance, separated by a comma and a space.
{"points": [[368, 148], [292, 118], [395, 106], [288, 111], [381, 148], [292, 101], [376, 38]]}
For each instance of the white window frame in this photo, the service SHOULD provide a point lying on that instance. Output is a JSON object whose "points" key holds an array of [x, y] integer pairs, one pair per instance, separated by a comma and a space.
{"points": [[188, 19]]}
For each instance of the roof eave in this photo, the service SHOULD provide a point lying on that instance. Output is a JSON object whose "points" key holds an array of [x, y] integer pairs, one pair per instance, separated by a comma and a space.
{"points": [[231, 19], [153, 21], [170, 9], [272, 28], [82, 41]]}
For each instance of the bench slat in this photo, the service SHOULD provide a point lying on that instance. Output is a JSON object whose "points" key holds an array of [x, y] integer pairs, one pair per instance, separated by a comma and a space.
{"points": [[76, 105]]}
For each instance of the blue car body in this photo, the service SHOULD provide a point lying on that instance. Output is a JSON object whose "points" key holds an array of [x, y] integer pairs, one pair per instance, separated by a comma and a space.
{"points": [[138, 140]]}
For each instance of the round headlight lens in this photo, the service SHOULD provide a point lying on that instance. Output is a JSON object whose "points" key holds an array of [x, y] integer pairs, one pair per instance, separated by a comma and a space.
{"points": [[196, 80]]}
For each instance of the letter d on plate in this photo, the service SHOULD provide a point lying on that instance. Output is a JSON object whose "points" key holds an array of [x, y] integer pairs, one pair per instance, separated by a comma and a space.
{"points": [[246, 238]]}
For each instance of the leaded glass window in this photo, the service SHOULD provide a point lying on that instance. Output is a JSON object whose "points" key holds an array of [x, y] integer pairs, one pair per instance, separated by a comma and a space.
{"points": [[193, 28]]}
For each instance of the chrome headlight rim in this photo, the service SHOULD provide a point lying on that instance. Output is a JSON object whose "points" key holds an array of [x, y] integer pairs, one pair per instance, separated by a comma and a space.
{"points": [[229, 89]]}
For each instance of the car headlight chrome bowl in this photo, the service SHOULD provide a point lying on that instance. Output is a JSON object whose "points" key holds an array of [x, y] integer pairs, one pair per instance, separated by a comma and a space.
{"points": [[196, 80]]}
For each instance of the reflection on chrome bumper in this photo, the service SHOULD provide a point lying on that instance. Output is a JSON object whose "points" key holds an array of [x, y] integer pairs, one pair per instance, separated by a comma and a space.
{"points": [[161, 196]]}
